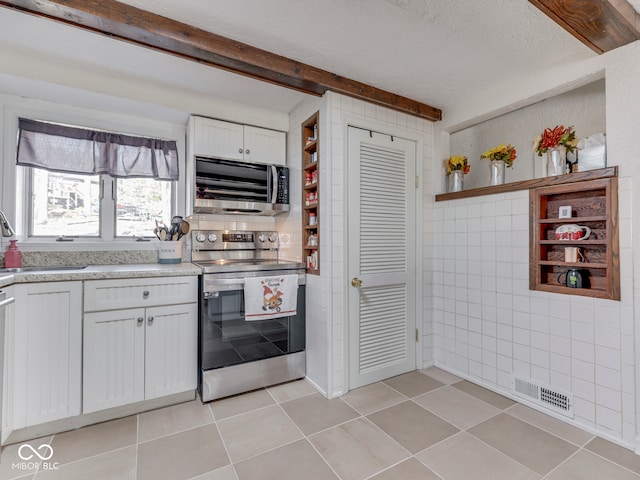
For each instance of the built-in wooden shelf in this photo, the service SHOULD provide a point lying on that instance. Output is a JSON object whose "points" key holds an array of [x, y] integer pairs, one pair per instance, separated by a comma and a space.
{"points": [[594, 203], [529, 184], [310, 168]]}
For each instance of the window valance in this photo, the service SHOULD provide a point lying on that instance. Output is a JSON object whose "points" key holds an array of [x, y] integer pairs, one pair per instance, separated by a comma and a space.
{"points": [[76, 150]]}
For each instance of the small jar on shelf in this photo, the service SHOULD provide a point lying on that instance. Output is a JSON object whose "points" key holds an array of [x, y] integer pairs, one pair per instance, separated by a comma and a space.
{"points": [[313, 218], [311, 198], [313, 240], [312, 260]]}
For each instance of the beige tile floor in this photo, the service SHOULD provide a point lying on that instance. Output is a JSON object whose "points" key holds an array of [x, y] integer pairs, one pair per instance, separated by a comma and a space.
{"points": [[426, 425]]}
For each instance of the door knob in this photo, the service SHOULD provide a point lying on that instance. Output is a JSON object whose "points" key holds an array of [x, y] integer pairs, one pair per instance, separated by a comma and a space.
{"points": [[356, 282]]}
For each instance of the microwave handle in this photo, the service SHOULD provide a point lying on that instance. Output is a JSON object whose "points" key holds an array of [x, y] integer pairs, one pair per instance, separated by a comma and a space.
{"points": [[274, 183]]}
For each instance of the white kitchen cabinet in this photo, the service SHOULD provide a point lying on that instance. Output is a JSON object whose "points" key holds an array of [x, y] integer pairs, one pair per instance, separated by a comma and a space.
{"points": [[171, 350], [44, 366], [233, 141], [140, 340], [6, 349]]}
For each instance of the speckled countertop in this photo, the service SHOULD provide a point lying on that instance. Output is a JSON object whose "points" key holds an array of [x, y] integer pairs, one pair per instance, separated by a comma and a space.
{"points": [[99, 272]]}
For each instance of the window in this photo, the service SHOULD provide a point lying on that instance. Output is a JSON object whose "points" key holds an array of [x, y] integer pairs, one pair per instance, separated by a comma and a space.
{"points": [[64, 204], [94, 184], [139, 203]]}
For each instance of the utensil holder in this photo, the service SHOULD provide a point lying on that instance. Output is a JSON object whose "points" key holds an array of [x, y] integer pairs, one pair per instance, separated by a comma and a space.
{"points": [[170, 252]]}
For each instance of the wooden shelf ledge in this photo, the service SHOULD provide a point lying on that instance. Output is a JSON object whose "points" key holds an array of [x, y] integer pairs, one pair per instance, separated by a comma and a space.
{"points": [[529, 184]]}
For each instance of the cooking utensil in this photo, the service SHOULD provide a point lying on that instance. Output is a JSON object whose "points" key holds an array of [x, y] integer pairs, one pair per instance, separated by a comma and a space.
{"points": [[162, 234], [184, 228], [174, 231]]}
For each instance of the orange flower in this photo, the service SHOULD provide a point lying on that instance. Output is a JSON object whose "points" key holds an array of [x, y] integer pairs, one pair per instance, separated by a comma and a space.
{"points": [[555, 137]]}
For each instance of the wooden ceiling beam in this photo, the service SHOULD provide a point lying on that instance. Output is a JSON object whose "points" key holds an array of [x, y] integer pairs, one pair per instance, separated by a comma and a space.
{"points": [[124, 22], [602, 25]]}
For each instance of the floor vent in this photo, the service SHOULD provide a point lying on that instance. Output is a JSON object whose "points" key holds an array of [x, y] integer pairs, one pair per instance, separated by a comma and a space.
{"points": [[544, 396]]}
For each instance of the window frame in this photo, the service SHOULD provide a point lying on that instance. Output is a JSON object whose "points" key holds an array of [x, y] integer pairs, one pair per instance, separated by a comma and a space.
{"points": [[107, 226], [16, 180]]}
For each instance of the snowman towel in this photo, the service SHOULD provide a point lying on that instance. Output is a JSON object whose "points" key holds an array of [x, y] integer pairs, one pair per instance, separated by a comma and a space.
{"points": [[270, 297]]}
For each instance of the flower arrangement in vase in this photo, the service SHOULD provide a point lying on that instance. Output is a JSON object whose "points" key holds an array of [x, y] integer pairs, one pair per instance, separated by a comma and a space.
{"points": [[506, 153], [501, 156], [457, 162], [555, 137], [554, 143], [457, 167]]}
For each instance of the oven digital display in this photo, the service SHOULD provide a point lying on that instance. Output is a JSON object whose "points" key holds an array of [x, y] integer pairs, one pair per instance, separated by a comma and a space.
{"points": [[237, 237]]}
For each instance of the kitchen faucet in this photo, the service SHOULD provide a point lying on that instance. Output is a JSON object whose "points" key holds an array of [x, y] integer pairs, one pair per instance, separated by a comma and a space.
{"points": [[7, 229]]}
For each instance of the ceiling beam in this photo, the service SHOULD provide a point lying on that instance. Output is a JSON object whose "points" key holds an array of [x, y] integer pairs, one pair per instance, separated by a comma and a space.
{"points": [[124, 22], [602, 25]]}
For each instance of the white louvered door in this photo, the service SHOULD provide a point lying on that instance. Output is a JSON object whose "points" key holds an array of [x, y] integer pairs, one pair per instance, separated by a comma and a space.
{"points": [[381, 218]]}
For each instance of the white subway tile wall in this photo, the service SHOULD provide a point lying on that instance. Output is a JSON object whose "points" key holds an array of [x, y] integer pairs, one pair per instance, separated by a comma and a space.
{"points": [[488, 325]]}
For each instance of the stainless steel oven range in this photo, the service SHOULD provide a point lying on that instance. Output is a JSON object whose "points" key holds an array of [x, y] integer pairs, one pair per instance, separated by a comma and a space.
{"points": [[239, 351]]}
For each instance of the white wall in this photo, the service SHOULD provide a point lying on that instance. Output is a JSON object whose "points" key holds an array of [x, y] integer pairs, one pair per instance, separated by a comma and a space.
{"points": [[289, 227], [582, 108], [488, 325]]}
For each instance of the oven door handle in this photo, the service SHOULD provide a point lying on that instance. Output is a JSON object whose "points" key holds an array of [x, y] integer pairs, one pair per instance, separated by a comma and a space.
{"points": [[227, 282], [212, 288], [231, 284]]}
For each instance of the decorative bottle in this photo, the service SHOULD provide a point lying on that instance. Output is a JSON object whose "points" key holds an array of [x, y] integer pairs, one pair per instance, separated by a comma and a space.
{"points": [[13, 256]]}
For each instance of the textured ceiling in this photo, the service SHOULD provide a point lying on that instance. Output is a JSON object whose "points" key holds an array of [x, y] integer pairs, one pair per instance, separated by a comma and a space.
{"points": [[437, 52], [431, 50]]}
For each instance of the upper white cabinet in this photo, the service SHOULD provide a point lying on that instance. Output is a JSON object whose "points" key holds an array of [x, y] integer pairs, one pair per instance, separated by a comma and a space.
{"points": [[44, 359], [233, 141], [140, 340], [264, 146]]}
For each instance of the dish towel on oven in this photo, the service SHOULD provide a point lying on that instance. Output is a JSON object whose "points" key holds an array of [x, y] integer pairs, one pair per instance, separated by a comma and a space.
{"points": [[270, 297]]}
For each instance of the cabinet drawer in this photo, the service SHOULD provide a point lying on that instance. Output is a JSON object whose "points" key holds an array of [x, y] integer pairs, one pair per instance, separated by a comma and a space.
{"points": [[102, 295]]}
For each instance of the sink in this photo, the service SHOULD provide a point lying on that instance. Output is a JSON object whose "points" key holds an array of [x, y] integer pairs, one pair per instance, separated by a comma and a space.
{"points": [[52, 268]]}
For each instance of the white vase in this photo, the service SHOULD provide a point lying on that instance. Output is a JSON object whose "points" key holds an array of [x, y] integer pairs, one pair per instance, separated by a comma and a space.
{"points": [[497, 172], [556, 161], [456, 181]]}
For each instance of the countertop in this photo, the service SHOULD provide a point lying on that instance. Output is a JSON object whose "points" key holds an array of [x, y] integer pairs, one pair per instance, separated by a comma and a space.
{"points": [[100, 272]]}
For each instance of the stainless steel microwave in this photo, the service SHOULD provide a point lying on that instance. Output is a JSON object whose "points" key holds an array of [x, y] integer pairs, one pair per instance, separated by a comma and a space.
{"points": [[227, 186]]}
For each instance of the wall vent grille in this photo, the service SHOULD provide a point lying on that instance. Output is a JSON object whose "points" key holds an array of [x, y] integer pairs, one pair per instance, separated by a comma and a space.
{"points": [[543, 395]]}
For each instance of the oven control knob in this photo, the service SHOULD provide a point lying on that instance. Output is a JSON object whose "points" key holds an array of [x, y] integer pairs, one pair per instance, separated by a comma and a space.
{"points": [[200, 237], [273, 237], [262, 238], [212, 237]]}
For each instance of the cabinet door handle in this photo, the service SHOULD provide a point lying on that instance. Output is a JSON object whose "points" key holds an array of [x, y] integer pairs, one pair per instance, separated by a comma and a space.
{"points": [[140, 319], [145, 294], [239, 150], [247, 151], [149, 320]]}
